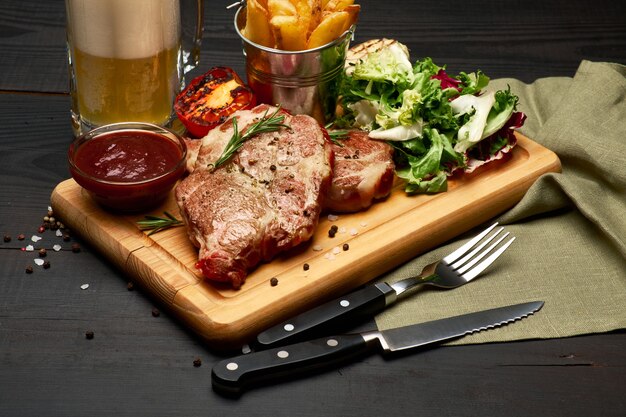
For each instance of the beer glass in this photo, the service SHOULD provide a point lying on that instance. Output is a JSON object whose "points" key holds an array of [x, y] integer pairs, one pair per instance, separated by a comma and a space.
{"points": [[128, 58]]}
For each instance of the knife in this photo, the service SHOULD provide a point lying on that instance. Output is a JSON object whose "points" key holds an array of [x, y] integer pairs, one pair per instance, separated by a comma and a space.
{"points": [[232, 376], [367, 301]]}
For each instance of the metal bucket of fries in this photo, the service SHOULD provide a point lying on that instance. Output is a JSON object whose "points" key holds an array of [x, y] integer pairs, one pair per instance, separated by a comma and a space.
{"points": [[301, 81]]}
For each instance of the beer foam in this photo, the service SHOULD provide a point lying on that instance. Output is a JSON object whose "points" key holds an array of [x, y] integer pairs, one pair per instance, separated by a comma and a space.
{"points": [[127, 29]]}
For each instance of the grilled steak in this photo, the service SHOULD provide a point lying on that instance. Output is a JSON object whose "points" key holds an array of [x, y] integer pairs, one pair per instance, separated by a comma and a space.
{"points": [[266, 199], [363, 172]]}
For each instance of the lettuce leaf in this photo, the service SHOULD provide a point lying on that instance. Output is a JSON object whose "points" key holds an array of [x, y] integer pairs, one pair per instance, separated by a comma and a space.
{"points": [[503, 107], [479, 107], [425, 163], [437, 123]]}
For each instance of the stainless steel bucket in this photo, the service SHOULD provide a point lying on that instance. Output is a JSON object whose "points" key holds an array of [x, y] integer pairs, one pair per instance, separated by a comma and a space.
{"points": [[303, 82]]}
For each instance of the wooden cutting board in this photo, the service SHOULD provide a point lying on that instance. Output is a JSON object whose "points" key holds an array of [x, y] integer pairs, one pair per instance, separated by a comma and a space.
{"points": [[380, 238]]}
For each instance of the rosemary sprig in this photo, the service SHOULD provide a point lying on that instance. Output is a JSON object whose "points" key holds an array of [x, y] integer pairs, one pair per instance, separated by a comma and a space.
{"points": [[336, 135], [266, 124], [156, 224]]}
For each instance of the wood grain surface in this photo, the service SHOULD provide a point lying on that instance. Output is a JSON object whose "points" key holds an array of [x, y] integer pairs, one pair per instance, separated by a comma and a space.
{"points": [[141, 365], [386, 235]]}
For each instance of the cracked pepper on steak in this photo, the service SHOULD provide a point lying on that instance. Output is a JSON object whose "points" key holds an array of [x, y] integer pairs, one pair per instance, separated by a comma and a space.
{"points": [[265, 200]]}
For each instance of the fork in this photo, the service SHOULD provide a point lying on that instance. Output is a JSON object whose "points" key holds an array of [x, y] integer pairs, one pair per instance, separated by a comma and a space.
{"points": [[454, 270]]}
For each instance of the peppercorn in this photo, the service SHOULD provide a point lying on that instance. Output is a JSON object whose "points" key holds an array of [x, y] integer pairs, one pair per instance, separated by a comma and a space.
{"points": [[89, 334], [7, 238], [305, 267], [46, 265], [21, 236], [29, 269], [197, 362], [75, 248], [274, 281], [41, 229], [66, 237], [155, 312], [346, 246], [272, 167], [42, 253], [333, 230]]}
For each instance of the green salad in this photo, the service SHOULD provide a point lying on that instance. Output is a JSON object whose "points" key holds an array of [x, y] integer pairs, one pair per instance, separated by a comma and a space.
{"points": [[438, 124]]}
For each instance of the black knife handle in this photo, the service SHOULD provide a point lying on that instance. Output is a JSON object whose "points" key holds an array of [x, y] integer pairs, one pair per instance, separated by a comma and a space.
{"points": [[232, 376], [327, 317]]}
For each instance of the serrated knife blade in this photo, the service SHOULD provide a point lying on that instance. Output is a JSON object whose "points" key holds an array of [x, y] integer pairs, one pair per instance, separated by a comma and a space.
{"points": [[450, 328], [236, 374]]}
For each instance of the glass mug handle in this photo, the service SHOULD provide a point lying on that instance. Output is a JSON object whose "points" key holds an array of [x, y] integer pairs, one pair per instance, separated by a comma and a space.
{"points": [[191, 51]]}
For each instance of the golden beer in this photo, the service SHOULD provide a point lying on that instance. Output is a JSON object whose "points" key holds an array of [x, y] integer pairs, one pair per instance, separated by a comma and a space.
{"points": [[125, 60], [111, 90]]}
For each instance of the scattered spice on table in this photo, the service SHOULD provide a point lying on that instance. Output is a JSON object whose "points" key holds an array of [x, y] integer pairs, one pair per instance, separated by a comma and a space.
{"points": [[7, 238], [29, 269], [197, 362], [305, 267], [75, 247], [155, 312], [333, 230], [130, 286], [274, 281], [46, 265], [21, 236], [89, 334], [42, 253], [346, 246]]}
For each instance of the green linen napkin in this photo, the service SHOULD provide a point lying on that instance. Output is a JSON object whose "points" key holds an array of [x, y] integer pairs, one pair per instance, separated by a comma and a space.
{"points": [[570, 249]]}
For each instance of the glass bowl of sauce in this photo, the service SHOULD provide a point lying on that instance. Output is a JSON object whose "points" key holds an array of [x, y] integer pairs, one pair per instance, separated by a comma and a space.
{"points": [[128, 167]]}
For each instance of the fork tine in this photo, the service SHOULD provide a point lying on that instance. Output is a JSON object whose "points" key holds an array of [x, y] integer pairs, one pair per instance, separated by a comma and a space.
{"points": [[467, 246], [484, 264], [478, 248], [481, 255]]}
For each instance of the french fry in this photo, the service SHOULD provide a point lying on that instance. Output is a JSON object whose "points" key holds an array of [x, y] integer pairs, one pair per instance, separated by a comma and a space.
{"points": [[316, 15], [329, 29], [288, 34], [295, 25], [257, 27], [337, 5], [353, 11], [304, 15], [281, 8]]}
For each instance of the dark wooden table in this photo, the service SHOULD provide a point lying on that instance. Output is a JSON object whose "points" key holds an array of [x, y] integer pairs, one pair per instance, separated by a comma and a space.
{"points": [[138, 364]]}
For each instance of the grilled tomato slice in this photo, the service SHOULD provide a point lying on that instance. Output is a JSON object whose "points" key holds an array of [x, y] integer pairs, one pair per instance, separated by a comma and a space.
{"points": [[211, 98]]}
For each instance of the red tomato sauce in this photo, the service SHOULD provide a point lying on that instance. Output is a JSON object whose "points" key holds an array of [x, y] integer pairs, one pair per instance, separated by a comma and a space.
{"points": [[127, 156]]}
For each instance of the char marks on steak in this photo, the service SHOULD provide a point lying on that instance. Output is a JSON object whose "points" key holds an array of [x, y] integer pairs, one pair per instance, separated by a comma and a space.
{"points": [[266, 199], [363, 173]]}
